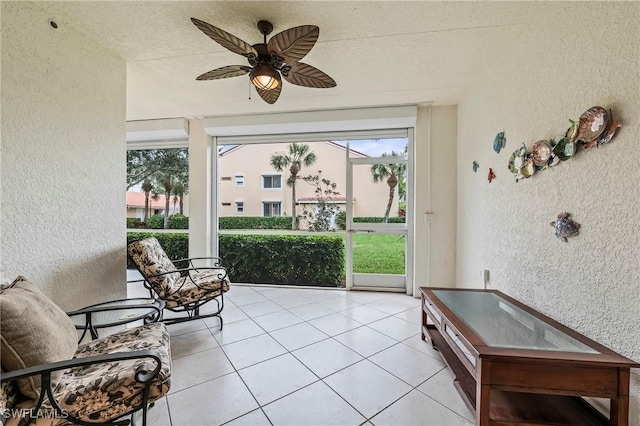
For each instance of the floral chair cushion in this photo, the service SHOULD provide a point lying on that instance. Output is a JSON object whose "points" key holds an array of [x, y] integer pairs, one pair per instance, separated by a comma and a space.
{"points": [[99, 393], [151, 259], [200, 286], [8, 399]]}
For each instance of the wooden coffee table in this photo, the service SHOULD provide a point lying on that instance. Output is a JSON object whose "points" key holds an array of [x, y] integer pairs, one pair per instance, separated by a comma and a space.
{"points": [[514, 365]]}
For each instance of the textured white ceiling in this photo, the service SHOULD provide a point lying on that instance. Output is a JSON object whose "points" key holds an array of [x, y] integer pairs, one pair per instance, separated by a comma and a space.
{"points": [[379, 53]]}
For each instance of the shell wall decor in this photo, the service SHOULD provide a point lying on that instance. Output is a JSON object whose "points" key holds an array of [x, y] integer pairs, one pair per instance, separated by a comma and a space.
{"points": [[565, 227], [595, 127]]}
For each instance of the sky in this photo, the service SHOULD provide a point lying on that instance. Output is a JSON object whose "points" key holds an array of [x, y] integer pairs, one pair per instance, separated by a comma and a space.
{"points": [[377, 147]]}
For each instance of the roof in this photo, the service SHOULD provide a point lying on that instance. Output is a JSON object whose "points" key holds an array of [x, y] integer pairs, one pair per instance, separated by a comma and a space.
{"points": [[136, 199]]}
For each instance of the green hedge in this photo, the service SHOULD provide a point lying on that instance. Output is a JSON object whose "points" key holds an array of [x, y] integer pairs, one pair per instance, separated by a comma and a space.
{"points": [[254, 222], [155, 221], [378, 219], [178, 221], [268, 259]]}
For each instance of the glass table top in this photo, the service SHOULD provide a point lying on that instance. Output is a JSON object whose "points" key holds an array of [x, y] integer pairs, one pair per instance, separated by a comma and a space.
{"points": [[501, 324], [117, 312]]}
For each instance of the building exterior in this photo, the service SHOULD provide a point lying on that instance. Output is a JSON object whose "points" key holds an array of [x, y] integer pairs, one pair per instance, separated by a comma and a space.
{"points": [[250, 186], [135, 205]]}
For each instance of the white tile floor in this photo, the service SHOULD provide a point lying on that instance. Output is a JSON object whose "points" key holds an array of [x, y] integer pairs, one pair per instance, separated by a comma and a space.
{"points": [[308, 357]]}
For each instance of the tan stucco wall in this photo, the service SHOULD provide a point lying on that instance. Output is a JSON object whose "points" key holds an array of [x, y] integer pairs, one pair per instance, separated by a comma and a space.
{"points": [[554, 72], [252, 161], [63, 160]]}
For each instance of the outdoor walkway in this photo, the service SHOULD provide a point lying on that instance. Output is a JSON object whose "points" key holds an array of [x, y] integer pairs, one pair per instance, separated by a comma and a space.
{"points": [[308, 357]]}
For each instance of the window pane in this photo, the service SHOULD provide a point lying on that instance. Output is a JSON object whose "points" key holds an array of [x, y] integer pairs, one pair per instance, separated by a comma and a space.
{"points": [[157, 188]]}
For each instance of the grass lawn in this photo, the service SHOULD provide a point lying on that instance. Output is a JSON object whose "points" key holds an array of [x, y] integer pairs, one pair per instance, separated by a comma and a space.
{"points": [[378, 254]]}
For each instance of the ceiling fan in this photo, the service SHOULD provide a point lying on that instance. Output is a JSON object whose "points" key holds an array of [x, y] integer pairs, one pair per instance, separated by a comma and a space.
{"points": [[268, 60]]}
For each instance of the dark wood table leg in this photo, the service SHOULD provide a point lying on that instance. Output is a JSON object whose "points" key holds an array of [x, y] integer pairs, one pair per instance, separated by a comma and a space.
{"points": [[620, 406], [483, 393]]}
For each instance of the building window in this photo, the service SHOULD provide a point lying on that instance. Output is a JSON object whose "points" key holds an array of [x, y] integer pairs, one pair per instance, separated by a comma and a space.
{"points": [[225, 178], [239, 181], [271, 208], [239, 206], [226, 204], [271, 182]]}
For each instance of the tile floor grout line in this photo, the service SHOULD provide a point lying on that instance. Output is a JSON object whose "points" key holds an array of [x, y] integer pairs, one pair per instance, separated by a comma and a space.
{"points": [[255, 319]]}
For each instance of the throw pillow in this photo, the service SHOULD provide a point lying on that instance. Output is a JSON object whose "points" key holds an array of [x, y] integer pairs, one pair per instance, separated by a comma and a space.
{"points": [[33, 331]]}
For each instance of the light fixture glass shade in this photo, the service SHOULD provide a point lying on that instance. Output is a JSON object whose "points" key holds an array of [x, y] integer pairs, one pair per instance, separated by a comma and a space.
{"points": [[265, 77]]}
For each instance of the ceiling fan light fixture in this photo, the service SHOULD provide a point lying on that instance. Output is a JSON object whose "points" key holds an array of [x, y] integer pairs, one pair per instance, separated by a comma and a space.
{"points": [[265, 77]]}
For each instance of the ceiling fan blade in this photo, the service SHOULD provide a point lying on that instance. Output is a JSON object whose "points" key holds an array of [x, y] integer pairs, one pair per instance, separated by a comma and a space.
{"points": [[225, 39], [225, 72], [270, 96], [293, 44], [302, 74]]}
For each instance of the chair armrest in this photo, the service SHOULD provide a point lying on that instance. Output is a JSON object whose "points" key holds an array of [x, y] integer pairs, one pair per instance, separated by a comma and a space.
{"points": [[47, 369], [181, 270], [97, 308], [217, 263]]}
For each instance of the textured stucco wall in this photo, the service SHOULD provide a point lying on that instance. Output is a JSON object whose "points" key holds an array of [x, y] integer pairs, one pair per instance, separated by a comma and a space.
{"points": [[435, 192], [579, 55], [63, 159]]}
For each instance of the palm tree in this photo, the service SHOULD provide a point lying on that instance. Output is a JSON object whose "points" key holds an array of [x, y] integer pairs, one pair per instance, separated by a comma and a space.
{"points": [[166, 182], [390, 173], [147, 187], [180, 189], [299, 155]]}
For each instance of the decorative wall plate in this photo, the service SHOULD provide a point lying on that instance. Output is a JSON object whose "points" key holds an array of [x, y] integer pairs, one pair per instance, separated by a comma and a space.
{"points": [[541, 152], [592, 123]]}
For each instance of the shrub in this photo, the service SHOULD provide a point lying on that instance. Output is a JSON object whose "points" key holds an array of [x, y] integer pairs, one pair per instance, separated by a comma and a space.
{"points": [[341, 220], [178, 221], [254, 222], [284, 259], [133, 222], [267, 259], [155, 221], [375, 219]]}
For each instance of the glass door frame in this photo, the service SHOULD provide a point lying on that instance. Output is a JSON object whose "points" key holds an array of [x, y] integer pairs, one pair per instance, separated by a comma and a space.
{"points": [[404, 229], [214, 142]]}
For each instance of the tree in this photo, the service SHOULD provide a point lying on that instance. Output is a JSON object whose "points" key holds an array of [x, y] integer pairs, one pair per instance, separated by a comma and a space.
{"points": [[166, 182], [180, 189], [146, 163], [325, 212], [390, 173], [147, 187], [298, 155]]}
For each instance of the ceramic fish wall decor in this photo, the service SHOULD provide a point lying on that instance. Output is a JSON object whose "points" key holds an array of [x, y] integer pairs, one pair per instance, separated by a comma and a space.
{"points": [[499, 142], [491, 176]]}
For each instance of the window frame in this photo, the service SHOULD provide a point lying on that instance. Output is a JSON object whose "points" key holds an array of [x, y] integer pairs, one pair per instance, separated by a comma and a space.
{"points": [[272, 203], [270, 175]]}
